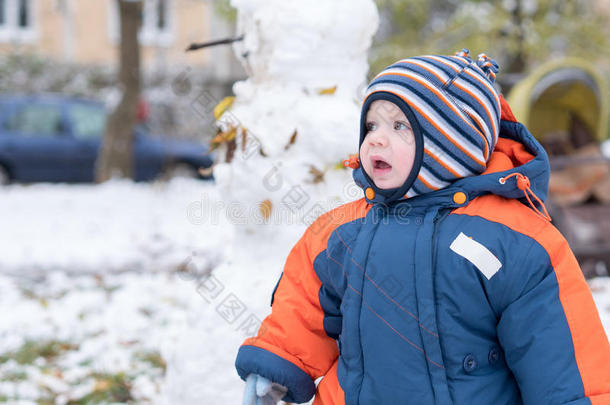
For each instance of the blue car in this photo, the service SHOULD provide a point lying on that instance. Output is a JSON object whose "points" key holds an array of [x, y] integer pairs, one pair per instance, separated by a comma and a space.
{"points": [[53, 138]]}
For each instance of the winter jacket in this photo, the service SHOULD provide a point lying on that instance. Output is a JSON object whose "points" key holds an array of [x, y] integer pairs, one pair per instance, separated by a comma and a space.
{"points": [[465, 295]]}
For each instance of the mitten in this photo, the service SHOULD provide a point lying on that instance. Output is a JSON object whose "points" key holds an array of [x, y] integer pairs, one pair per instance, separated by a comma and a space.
{"points": [[261, 391]]}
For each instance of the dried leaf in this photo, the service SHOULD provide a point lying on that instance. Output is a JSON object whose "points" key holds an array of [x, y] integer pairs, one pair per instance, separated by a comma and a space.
{"points": [[330, 90], [221, 107], [101, 385], [128, 343], [223, 137], [265, 208], [293, 138], [262, 152], [244, 135], [318, 175], [231, 146]]}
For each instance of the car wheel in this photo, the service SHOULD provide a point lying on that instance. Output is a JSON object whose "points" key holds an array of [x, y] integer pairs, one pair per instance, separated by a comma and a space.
{"points": [[183, 170], [5, 178]]}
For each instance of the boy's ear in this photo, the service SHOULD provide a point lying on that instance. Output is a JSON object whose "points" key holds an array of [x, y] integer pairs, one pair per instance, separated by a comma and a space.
{"points": [[507, 113]]}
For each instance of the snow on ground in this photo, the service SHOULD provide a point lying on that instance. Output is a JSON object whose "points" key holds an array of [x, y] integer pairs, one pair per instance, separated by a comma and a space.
{"points": [[129, 292], [606, 148], [115, 226], [134, 293], [600, 287], [165, 338]]}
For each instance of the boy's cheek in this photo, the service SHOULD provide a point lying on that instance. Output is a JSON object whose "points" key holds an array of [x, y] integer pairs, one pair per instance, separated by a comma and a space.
{"points": [[365, 161], [367, 168]]}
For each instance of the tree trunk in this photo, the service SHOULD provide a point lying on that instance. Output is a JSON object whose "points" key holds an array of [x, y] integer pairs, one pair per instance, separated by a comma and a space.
{"points": [[115, 158], [517, 61]]}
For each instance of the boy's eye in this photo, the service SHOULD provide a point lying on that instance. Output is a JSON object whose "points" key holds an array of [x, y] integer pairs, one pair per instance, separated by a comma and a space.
{"points": [[371, 126], [401, 126]]}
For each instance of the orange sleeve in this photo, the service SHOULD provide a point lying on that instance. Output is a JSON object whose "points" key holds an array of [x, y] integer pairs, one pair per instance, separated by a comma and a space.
{"points": [[292, 347], [295, 330]]}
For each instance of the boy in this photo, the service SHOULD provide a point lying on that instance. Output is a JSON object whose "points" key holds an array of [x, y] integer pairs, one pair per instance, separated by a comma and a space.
{"points": [[445, 284]]}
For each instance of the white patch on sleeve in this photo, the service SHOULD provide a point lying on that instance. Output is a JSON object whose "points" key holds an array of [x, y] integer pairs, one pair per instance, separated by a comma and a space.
{"points": [[476, 254]]}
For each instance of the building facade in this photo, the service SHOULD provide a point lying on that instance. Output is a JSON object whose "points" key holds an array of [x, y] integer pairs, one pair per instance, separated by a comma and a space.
{"points": [[87, 32]]}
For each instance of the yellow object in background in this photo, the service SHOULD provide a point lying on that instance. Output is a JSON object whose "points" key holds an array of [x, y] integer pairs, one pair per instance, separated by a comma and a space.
{"points": [[328, 91], [223, 106], [559, 93]]}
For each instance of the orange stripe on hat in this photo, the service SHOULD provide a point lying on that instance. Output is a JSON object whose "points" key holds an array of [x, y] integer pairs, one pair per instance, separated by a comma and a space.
{"points": [[483, 82], [489, 88], [440, 162], [476, 119], [491, 120], [423, 66], [444, 62], [430, 186]]}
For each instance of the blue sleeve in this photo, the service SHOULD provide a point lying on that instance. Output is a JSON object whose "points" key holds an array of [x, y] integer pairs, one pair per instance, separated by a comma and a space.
{"points": [[252, 359]]}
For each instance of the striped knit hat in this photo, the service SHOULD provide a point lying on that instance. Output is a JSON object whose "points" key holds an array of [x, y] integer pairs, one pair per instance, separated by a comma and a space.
{"points": [[453, 109]]}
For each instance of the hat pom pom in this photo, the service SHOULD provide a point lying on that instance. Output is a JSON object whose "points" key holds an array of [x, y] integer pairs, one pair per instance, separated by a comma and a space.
{"points": [[488, 66], [464, 53]]}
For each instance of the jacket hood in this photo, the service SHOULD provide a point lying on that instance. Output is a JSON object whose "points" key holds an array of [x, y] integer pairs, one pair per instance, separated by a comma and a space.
{"points": [[516, 155]]}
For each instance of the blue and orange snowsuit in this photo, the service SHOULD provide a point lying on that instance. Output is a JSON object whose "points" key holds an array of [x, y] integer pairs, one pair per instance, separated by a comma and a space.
{"points": [[464, 295]]}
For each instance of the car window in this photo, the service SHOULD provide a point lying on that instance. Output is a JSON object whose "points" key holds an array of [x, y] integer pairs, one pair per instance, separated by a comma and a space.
{"points": [[36, 119], [88, 121]]}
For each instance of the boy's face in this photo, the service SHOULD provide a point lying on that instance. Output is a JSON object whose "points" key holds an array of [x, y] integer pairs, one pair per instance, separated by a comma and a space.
{"points": [[388, 150]]}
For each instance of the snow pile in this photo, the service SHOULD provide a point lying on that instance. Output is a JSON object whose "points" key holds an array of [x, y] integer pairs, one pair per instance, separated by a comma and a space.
{"points": [[293, 43], [292, 123], [297, 116]]}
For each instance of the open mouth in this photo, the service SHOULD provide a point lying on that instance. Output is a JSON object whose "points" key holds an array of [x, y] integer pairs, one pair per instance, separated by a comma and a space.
{"points": [[380, 166]]}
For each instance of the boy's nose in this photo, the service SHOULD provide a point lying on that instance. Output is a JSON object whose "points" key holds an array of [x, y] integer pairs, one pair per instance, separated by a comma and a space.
{"points": [[379, 138]]}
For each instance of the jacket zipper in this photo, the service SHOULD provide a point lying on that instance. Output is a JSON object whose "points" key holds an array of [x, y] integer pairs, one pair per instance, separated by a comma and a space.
{"points": [[440, 216]]}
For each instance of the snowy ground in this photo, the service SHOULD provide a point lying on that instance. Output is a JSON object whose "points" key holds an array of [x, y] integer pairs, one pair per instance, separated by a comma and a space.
{"points": [[106, 294], [112, 227]]}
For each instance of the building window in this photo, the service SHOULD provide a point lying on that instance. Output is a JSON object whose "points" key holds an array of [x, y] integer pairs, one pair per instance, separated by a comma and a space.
{"points": [[161, 15], [24, 14], [17, 20], [2, 13], [157, 26]]}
